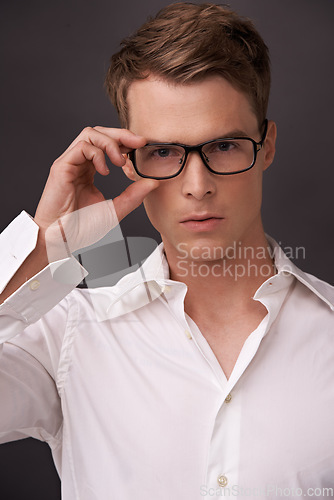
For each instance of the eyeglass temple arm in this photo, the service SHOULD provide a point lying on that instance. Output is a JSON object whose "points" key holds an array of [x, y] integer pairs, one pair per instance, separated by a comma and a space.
{"points": [[264, 132]]}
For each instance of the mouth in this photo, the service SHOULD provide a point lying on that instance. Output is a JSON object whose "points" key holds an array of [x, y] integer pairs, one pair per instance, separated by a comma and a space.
{"points": [[201, 217], [202, 222]]}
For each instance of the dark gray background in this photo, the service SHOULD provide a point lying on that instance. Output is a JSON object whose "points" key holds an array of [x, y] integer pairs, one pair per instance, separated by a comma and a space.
{"points": [[54, 57]]}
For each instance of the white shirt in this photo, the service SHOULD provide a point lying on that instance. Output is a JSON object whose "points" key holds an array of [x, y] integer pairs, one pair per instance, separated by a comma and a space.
{"points": [[128, 394]]}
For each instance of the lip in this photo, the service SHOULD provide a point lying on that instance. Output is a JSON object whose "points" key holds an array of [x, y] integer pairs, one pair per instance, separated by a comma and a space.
{"points": [[201, 217], [202, 222]]}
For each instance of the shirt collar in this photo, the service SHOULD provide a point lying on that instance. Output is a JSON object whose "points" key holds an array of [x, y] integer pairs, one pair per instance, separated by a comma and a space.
{"points": [[286, 267], [149, 281], [135, 289]]}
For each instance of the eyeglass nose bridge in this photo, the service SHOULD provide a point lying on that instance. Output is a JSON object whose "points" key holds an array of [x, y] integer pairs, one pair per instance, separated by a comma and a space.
{"points": [[199, 150]]}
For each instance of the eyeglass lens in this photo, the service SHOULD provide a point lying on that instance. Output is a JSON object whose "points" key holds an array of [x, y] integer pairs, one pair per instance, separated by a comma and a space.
{"points": [[222, 156]]}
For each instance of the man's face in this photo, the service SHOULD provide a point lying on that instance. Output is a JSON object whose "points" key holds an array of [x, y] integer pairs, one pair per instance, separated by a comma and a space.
{"points": [[191, 114]]}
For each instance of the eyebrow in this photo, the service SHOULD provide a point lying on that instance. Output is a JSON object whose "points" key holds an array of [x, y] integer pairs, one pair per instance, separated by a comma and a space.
{"points": [[232, 134]]}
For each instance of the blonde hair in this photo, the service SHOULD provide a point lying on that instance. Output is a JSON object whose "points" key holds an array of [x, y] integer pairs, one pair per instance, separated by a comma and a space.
{"points": [[186, 43]]}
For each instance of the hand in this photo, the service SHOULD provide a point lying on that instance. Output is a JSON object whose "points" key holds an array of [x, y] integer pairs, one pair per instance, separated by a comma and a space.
{"points": [[71, 208]]}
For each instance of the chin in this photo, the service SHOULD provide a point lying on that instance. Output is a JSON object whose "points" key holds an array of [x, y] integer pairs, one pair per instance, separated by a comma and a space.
{"points": [[203, 249]]}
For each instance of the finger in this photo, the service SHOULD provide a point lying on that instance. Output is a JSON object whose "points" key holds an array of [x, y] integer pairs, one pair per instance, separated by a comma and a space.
{"points": [[83, 152], [126, 139], [112, 141], [133, 196]]}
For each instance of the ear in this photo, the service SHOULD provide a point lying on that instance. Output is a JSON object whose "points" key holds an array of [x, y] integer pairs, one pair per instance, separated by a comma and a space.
{"points": [[129, 170], [269, 146]]}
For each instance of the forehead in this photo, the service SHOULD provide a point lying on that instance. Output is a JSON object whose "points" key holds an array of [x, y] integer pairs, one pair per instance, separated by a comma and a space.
{"points": [[190, 113]]}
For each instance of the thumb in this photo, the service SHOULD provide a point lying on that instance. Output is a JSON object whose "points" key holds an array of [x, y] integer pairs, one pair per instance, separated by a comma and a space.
{"points": [[133, 196]]}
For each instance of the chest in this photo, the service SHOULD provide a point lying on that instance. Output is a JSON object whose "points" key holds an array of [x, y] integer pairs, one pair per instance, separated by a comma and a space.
{"points": [[226, 338], [143, 406], [147, 411]]}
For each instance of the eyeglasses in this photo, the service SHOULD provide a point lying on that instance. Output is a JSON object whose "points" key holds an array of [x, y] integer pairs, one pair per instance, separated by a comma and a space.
{"points": [[226, 156]]}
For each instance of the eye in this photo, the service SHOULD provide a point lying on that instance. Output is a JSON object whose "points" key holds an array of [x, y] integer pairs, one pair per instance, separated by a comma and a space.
{"points": [[223, 146], [161, 152]]}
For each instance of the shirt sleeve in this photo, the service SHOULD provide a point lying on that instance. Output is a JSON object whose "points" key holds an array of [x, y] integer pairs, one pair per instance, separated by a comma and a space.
{"points": [[29, 398], [32, 326], [17, 241], [40, 293]]}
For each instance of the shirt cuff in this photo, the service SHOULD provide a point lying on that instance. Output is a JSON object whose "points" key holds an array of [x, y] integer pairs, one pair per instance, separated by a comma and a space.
{"points": [[38, 295], [17, 241]]}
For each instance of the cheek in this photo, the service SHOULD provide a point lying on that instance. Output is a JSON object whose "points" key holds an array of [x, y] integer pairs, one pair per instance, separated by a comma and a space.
{"points": [[245, 192], [253, 197], [156, 207]]}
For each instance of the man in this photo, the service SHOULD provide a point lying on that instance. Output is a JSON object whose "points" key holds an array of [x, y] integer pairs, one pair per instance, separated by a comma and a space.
{"points": [[209, 371]]}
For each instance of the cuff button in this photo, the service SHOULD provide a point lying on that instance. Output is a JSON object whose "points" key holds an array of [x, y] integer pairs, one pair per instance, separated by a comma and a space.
{"points": [[34, 285]]}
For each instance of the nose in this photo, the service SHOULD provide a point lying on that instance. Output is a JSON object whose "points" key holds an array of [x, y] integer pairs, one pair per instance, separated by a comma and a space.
{"points": [[197, 180]]}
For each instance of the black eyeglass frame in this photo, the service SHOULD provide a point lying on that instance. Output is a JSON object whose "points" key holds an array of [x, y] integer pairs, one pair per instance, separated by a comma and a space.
{"points": [[256, 148]]}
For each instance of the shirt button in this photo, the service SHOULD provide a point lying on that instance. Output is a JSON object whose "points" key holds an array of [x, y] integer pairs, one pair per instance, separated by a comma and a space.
{"points": [[166, 288], [188, 334], [228, 398], [222, 480], [34, 285]]}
